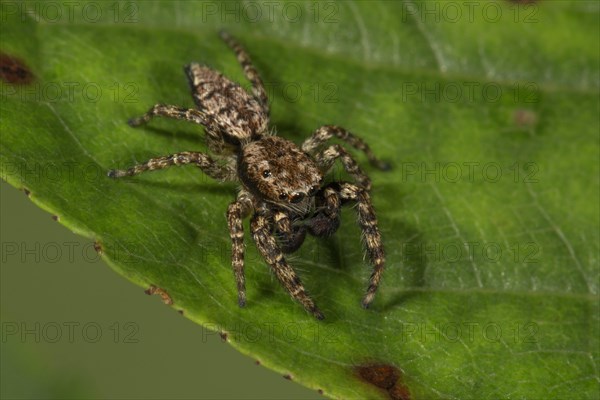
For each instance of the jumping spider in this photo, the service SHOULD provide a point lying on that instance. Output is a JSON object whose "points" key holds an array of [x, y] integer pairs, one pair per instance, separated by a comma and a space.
{"points": [[281, 183]]}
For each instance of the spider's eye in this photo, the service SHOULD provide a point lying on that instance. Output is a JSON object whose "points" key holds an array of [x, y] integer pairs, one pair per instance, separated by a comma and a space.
{"points": [[266, 173], [283, 196]]}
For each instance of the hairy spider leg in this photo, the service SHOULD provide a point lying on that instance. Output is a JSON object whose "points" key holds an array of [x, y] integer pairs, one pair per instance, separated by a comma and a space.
{"points": [[258, 88], [261, 232], [367, 221], [236, 212], [327, 157], [326, 132], [209, 166]]}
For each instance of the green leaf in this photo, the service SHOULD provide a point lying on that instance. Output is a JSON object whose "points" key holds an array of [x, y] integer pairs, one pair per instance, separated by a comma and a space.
{"points": [[490, 216]]}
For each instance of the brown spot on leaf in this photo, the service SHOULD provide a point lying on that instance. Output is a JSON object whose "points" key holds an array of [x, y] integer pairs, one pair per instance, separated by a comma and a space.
{"points": [[399, 392], [381, 375], [288, 377], [27, 192], [98, 247], [56, 218], [13, 70], [320, 391], [524, 118], [180, 312], [257, 362], [386, 377], [161, 292], [223, 336]]}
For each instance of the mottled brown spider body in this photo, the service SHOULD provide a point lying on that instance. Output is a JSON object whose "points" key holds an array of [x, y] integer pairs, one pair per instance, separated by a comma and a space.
{"points": [[281, 183], [277, 171]]}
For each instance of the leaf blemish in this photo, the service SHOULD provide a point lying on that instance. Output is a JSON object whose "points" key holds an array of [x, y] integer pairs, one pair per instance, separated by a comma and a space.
{"points": [[27, 192], [524, 118], [13, 70], [56, 218], [223, 336], [161, 292], [288, 377], [98, 247], [386, 377]]}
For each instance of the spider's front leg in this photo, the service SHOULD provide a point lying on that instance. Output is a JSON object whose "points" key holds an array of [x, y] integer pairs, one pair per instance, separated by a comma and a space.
{"points": [[326, 132], [370, 233], [236, 212], [209, 166], [326, 159], [267, 245]]}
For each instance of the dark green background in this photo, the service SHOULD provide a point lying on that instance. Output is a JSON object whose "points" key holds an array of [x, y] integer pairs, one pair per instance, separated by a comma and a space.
{"points": [[173, 358]]}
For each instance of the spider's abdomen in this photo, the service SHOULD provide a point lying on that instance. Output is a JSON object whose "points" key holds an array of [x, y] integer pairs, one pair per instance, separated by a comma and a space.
{"points": [[233, 112], [276, 170]]}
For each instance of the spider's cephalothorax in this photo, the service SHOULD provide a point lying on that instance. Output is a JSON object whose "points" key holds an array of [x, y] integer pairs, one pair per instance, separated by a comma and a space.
{"points": [[281, 183]]}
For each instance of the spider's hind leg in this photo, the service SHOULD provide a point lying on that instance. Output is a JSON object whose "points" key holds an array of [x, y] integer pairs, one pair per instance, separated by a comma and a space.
{"points": [[258, 88], [175, 112]]}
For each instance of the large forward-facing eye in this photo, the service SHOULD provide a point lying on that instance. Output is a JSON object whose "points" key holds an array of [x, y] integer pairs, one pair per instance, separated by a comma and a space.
{"points": [[266, 173], [283, 196]]}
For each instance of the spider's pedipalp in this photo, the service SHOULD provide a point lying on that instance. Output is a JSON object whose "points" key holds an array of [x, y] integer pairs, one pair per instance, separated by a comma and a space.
{"points": [[261, 232], [327, 219], [209, 166], [290, 237], [326, 132]]}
